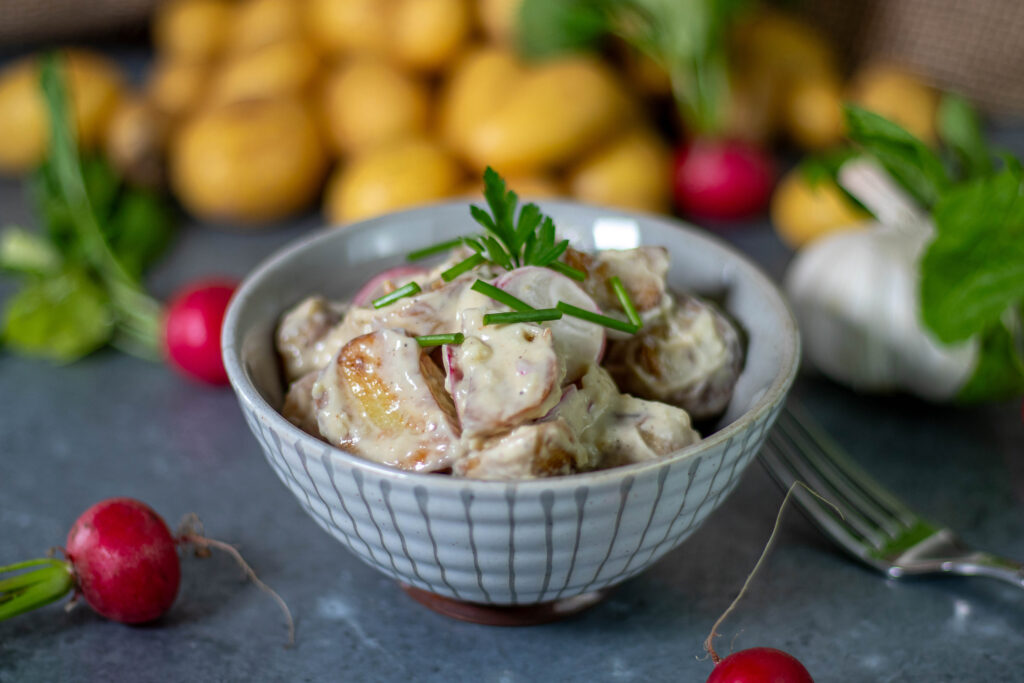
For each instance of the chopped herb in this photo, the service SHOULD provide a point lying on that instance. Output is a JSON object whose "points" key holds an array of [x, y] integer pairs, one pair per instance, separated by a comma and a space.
{"points": [[400, 293], [462, 267], [626, 302], [536, 316], [502, 296], [434, 249], [597, 318], [439, 339], [568, 271]]}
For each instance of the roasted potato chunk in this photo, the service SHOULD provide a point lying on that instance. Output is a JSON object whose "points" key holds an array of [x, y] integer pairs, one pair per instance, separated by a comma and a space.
{"points": [[542, 449], [299, 407]]}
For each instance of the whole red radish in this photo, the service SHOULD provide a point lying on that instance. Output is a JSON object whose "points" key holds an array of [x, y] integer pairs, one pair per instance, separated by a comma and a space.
{"points": [[721, 179], [125, 560], [760, 665], [192, 329]]}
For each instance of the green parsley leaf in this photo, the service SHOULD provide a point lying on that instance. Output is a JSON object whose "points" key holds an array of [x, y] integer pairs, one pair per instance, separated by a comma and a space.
{"points": [[27, 252], [908, 160], [60, 318], [973, 270], [959, 128], [999, 374], [549, 28]]}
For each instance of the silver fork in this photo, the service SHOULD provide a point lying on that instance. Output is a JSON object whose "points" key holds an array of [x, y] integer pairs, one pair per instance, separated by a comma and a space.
{"points": [[875, 526]]}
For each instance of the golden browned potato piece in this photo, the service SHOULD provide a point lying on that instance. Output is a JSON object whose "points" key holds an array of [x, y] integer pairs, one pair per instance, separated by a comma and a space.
{"points": [[812, 112], [136, 141], [279, 69], [631, 171], [392, 177], [383, 399], [193, 30], [558, 110], [248, 162], [477, 86], [258, 23], [499, 19], [427, 35], [543, 449], [94, 84], [368, 102], [898, 95], [176, 87], [802, 212], [340, 27]]}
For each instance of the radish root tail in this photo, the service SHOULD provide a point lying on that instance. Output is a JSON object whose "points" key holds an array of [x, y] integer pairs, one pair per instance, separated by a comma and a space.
{"points": [[708, 643], [190, 532]]}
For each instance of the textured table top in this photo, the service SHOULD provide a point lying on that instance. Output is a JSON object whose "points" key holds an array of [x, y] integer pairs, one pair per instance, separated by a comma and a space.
{"points": [[112, 425]]}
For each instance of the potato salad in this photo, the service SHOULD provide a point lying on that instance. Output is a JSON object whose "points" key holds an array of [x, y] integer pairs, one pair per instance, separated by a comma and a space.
{"points": [[510, 365]]}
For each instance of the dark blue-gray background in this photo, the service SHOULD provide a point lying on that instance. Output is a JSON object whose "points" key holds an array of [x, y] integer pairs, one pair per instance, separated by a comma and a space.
{"points": [[115, 426]]}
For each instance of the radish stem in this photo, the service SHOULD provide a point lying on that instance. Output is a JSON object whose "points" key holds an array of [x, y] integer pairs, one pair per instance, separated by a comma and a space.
{"points": [[31, 589]]}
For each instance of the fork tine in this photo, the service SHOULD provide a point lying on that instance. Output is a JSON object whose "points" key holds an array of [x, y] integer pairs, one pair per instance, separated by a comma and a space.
{"points": [[822, 515], [826, 453], [789, 454]]}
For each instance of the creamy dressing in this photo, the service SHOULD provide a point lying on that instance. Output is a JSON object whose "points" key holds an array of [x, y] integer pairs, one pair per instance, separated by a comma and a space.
{"points": [[500, 405]]}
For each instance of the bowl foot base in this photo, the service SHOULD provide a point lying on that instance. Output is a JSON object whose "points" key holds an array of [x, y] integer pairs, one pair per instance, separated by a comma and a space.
{"points": [[511, 615]]}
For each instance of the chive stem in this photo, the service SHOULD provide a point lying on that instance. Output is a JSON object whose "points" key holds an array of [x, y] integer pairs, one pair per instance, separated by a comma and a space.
{"points": [[400, 293], [501, 296], [439, 339], [433, 249], [626, 302], [597, 318], [568, 271], [535, 316], [462, 267]]}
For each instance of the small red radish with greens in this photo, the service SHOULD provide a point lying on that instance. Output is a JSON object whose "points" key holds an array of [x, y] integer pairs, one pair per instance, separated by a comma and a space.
{"points": [[122, 558], [722, 180]]}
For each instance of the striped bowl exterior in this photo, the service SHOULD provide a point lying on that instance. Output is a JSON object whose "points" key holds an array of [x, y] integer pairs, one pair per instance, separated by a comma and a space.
{"points": [[509, 543]]}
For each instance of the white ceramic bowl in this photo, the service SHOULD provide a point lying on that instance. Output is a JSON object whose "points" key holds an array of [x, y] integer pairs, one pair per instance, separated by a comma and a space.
{"points": [[517, 542]]}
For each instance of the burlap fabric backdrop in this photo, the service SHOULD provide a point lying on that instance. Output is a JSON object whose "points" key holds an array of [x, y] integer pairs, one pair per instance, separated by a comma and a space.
{"points": [[975, 47]]}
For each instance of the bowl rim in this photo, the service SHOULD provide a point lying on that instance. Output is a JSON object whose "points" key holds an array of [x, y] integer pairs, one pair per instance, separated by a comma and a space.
{"points": [[247, 392]]}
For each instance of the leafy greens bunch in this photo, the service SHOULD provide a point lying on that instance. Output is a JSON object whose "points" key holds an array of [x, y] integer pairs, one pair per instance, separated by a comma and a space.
{"points": [[80, 277], [972, 272]]}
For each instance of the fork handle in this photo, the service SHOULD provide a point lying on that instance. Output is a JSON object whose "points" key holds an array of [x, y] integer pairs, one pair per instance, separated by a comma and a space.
{"points": [[987, 564]]}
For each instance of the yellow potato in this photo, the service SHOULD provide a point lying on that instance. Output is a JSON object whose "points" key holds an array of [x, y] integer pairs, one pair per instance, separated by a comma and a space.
{"points": [[784, 45], [896, 94], [368, 102], [248, 162], [632, 171], [428, 34], [94, 85], [557, 111], [258, 23], [279, 69], [136, 139], [476, 87], [499, 19], [193, 30], [802, 212], [176, 87], [340, 27], [812, 112], [389, 178]]}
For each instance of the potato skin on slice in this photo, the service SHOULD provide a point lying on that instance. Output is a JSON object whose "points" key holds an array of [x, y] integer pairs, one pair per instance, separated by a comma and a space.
{"points": [[382, 398]]}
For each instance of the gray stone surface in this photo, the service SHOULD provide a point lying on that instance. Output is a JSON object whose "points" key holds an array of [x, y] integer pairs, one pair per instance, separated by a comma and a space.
{"points": [[112, 425]]}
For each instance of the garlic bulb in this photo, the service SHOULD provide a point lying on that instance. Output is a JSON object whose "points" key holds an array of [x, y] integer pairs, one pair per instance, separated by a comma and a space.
{"points": [[855, 295]]}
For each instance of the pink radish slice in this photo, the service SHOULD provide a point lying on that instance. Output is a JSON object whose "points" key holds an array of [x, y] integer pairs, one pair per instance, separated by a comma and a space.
{"points": [[579, 342], [399, 275]]}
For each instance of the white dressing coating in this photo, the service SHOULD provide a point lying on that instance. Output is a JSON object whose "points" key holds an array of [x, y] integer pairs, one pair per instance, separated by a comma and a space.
{"points": [[501, 405]]}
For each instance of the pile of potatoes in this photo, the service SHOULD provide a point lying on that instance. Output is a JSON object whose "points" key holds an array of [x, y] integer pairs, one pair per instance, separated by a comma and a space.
{"points": [[253, 109]]}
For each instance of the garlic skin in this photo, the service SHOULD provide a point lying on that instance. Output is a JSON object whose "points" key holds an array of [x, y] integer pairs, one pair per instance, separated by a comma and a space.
{"points": [[855, 296]]}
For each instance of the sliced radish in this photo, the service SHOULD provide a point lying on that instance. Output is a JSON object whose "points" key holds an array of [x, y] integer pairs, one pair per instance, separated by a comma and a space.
{"points": [[375, 288], [579, 342]]}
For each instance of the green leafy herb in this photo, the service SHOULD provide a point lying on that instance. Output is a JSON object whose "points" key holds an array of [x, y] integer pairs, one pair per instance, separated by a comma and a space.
{"points": [[999, 373], [908, 160], [548, 29], [433, 249], [626, 302], [439, 339], [405, 290], [960, 129], [597, 318], [501, 296], [82, 285], [535, 316]]}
